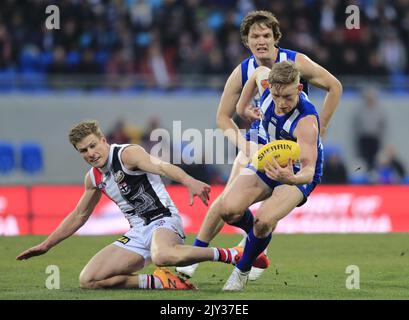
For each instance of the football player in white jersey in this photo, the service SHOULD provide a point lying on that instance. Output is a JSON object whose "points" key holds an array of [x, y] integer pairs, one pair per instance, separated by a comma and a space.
{"points": [[260, 33], [129, 176]]}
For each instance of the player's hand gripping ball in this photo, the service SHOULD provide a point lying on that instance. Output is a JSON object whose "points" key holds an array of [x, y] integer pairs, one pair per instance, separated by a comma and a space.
{"points": [[281, 150]]}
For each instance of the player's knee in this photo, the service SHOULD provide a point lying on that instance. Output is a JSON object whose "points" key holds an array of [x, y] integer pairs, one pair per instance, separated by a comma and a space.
{"points": [[232, 218], [86, 281], [163, 257], [229, 211], [263, 226]]}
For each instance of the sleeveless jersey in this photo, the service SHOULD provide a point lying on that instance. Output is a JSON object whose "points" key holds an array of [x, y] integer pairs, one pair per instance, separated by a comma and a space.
{"points": [[250, 64], [140, 195], [282, 127], [247, 69]]}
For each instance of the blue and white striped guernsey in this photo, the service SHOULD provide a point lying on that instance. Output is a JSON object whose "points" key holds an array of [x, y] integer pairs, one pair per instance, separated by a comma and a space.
{"points": [[282, 127], [247, 69]]}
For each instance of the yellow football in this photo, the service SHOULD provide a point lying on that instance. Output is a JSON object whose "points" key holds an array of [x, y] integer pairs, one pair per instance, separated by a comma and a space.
{"points": [[281, 150]]}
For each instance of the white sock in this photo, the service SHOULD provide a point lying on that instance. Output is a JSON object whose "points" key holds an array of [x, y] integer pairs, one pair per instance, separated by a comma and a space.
{"points": [[215, 254], [148, 281]]}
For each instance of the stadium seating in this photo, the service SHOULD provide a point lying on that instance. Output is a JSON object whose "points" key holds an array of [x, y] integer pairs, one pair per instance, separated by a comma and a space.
{"points": [[32, 159], [7, 157], [7, 79], [359, 178]]}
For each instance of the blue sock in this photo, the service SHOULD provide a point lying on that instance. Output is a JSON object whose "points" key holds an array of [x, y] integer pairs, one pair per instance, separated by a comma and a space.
{"points": [[199, 243], [246, 222], [254, 246]]}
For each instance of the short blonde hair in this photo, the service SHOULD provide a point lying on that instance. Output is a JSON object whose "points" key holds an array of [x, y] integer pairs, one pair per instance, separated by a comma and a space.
{"points": [[259, 16], [84, 129], [284, 73]]}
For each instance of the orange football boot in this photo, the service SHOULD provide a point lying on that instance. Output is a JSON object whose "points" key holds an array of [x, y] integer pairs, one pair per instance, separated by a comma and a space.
{"points": [[170, 281]]}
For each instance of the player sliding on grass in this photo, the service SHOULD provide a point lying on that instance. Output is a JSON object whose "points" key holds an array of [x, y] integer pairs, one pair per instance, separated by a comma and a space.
{"points": [[131, 178], [287, 114]]}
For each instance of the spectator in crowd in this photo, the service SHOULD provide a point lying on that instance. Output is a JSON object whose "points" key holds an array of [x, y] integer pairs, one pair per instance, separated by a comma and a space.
{"points": [[59, 65], [124, 133], [335, 171], [183, 36], [5, 47], [389, 167], [369, 124], [147, 143], [118, 68], [87, 64], [163, 147], [156, 66], [392, 52], [118, 135]]}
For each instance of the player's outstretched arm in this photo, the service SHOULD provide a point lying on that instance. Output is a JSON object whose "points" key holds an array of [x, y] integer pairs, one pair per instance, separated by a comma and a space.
{"points": [[70, 224], [135, 157], [321, 78]]}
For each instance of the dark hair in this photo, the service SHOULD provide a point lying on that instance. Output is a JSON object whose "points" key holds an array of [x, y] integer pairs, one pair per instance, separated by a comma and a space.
{"points": [[259, 17]]}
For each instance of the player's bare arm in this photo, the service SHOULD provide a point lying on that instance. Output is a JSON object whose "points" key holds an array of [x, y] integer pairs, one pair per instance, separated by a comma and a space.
{"points": [[136, 158], [245, 108], [227, 108], [306, 133], [228, 100], [75, 220], [321, 78], [256, 84]]}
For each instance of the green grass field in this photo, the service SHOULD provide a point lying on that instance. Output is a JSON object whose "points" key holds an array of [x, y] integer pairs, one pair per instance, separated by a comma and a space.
{"points": [[302, 267]]}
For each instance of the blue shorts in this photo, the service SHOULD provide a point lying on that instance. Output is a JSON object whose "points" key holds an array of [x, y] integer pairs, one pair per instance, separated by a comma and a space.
{"points": [[305, 189]]}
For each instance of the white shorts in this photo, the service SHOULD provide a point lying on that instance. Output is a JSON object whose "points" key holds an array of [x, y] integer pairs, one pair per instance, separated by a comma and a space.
{"points": [[138, 239]]}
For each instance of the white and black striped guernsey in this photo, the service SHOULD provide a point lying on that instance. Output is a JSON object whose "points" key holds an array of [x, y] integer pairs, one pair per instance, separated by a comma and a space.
{"points": [[140, 195]]}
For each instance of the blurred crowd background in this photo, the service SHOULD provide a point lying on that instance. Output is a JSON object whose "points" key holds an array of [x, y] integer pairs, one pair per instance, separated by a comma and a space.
{"points": [[137, 45], [159, 40]]}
